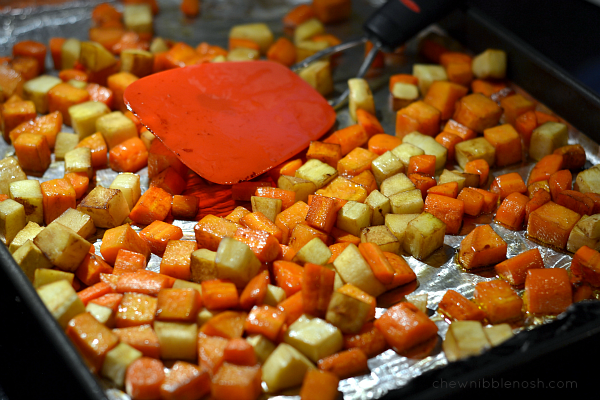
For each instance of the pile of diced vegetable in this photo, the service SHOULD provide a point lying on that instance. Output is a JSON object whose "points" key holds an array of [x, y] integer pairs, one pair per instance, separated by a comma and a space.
{"points": [[280, 289]]}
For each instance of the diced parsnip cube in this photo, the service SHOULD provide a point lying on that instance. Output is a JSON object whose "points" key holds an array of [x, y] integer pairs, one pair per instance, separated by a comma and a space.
{"points": [[380, 206], [259, 33], [496, 334], [318, 75], [147, 137], [427, 73], [429, 146], [44, 276], [450, 176], [79, 160], [353, 269], [381, 236], [107, 207], [490, 64], [474, 149], [243, 54], [12, 220], [116, 362], [419, 300], [590, 225], [464, 339], [353, 216], [405, 151], [116, 128], [37, 89], [84, 116], [262, 346], [137, 62], [205, 315], [274, 295], [407, 202], [29, 257], [398, 223], [471, 180], [61, 300], [177, 340], [65, 142], [10, 171], [308, 29], [317, 172], [29, 232], [403, 94], [183, 284], [236, 261], [285, 368], [301, 187], [267, 206], [29, 193], [94, 57], [578, 239], [586, 181], [546, 138], [424, 234], [347, 313], [103, 314], [158, 45], [69, 53], [307, 48], [314, 337], [315, 252], [138, 18], [360, 97], [396, 184], [203, 265], [79, 222], [129, 185], [77, 84], [385, 166], [63, 247]]}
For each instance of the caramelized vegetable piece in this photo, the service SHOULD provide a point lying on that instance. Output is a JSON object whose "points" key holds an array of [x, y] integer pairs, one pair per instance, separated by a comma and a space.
{"points": [[317, 287], [547, 291], [92, 339], [506, 184], [481, 247], [448, 210], [319, 385], [236, 382], [345, 364], [551, 224], [418, 116], [458, 308], [511, 212], [586, 264], [498, 300], [158, 234], [144, 378], [153, 205], [514, 270], [122, 237], [477, 112], [185, 381]]}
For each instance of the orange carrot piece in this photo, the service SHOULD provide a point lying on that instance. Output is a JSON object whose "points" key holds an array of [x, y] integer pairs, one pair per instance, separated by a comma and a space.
{"points": [[511, 212], [128, 156], [297, 15], [265, 320], [525, 125], [105, 12], [239, 352], [190, 8], [573, 156], [282, 51], [449, 189], [94, 291], [490, 200], [153, 205], [538, 199], [210, 351], [586, 265], [381, 267], [403, 274], [447, 209], [423, 164], [288, 276], [255, 291], [258, 221], [291, 167], [292, 307], [287, 220], [14, 114], [158, 234], [473, 201], [547, 291], [235, 43], [482, 247], [178, 305], [596, 199], [481, 167], [576, 201], [369, 122], [498, 300], [507, 143], [176, 259], [341, 236], [211, 229], [369, 339], [90, 269], [329, 153], [366, 179], [185, 381], [227, 324], [559, 181], [236, 382], [92, 338], [487, 87], [63, 96], [48, 125], [345, 364], [100, 93], [287, 197], [505, 184], [33, 49], [33, 152], [477, 112], [514, 270], [404, 326], [262, 243], [144, 378], [382, 142], [73, 74], [449, 141], [545, 167], [457, 307], [217, 294], [57, 196], [317, 287], [349, 138], [109, 300], [514, 106], [551, 224], [55, 45], [459, 130], [184, 207], [423, 183], [122, 237], [443, 95], [322, 213], [118, 83], [144, 282], [418, 116], [319, 385], [80, 182]]}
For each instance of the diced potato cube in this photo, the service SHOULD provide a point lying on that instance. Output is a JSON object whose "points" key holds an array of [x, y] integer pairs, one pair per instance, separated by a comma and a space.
{"points": [[203, 265], [353, 269], [63, 247], [405, 151], [301, 187], [94, 57], [61, 300], [177, 340], [84, 116], [354, 216], [158, 45], [308, 29], [137, 62], [381, 236], [138, 18], [546, 138], [116, 362], [590, 225], [285, 368], [396, 184], [69, 53], [259, 33], [385, 166], [10, 171], [407, 202], [79, 160], [12, 220], [103, 314], [430, 146], [470, 180], [423, 236], [398, 223], [107, 207], [587, 180], [403, 94], [79, 222], [267, 206], [314, 337], [464, 339], [474, 149], [347, 313], [29, 257], [263, 347], [380, 206], [37, 89], [318, 75], [274, 295], [29, 193], [29, 232], [65, 142], [578, 239], [44, 276], [496, 334], [490, 64], [315, 252], [116, 128], [419, 300], [307, 48], [360, 97], [317, 172], [236, 261], [427, 73], [129, 185], [451, 176], [243, 54]]}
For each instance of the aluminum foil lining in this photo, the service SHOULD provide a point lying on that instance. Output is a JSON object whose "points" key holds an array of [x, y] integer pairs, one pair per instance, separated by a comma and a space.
{"points": [[437, 274]]}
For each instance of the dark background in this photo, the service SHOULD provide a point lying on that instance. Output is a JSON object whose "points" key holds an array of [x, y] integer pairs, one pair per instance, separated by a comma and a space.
{"points": [[565, 31]]}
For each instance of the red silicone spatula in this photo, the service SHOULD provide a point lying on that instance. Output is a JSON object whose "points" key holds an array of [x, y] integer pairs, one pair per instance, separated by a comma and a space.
{"points": [[230, 122]]}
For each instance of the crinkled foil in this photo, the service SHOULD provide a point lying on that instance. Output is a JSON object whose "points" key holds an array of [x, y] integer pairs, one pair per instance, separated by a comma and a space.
{"points": [[438, 273]]}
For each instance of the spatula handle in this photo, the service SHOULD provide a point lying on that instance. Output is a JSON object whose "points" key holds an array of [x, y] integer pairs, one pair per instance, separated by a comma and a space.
{"points": [[399, 20]]}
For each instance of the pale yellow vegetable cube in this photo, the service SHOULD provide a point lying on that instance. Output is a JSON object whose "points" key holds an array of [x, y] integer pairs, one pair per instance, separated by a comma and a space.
{"points": [[474, 149], [103, 314], [69, 53], [243, 54], [236, 261], [79, 160], [318, 75], [269, 207], [314, 337], [430, 146], [285, 368], [301, 187], [315, 252], [397, 224], [263, 347], [546, 138], [29, 232], [84, 116], [63, 247], [354, 216], [496, 334], [308, 29], [29, 193], [65, 142], [12, 220], [407, 202], [464, 339], [274, 295], [29, 257], [129, 185], [44, 276], [405, 151], [203, 265], [360, 97], [178, 341], [353, 269], [427, 74], [380, 206], [10, 171], [490, 64], [138, 18], [396, 184], [385, 166], [424, 235], [347, 313], [107, 207], [451, 176], [116, 362], [137, 62], [381, 236], [116, 128], [259, 33], [37, 89], [61, 300], [317, 172], [94, 57], [79, 222]]}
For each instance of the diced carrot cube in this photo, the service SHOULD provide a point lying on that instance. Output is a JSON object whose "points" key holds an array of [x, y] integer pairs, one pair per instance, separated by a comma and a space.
{"points": [[129, 261], [551, 224], [239, 352], [448, 189], [288, 276], [499, 301], [80, 182], [15, 113], [153, 205], [292, 307], [90, 269], [176, 259], [443, 95], [423, 164], [158, 234], [329, 153], [282, 51], [447, 209], [265, 320], [482, 247], [573, 156], [302, 234], [48, 125], [459, 130], [381, 267], [297, 15], [262, 243], [322, 213], [457, 307], [512, 210], [477, 112], [109, 300], [92, 338], [319, 385], [210, 230], [122, 237], [95, 291], [423, 183], [369, 339], [449, 141], [545, 167], [514, 106], [218, 294], [33, 152], [128, 156], [559, 181], [57, 196], [236, 382], [345, 364], [586, 264], [143, 282], [576, 201], [100, 93], [228, 324], [144, 378], [259, 221], [382, 142], [507, 143], [287, 197], [178, 305], [210, 351], [346, 189], [317, 287], [403, 274], [184, 207], [509, 183], [418, 116], [487, 87], [118, 83], [63, 96], [514, 270], [185, 381], [473, 201], [538, 199], [255, 291], [349, 138], [481, 167]]}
